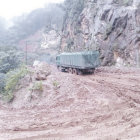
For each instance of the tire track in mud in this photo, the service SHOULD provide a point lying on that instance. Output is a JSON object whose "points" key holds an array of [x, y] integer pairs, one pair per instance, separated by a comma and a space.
{"points": [[120, 89], [85, 107]]}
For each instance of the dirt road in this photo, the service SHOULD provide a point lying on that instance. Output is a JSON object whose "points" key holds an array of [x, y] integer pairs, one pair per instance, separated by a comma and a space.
{"points": [[102, 106]]}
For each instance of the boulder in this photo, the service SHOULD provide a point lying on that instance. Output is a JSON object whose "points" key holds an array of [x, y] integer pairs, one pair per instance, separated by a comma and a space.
{"points": [[42, 70]]}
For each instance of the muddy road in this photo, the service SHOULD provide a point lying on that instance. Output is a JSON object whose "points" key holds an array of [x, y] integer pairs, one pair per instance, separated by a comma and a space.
{"points": [[102, 106]]}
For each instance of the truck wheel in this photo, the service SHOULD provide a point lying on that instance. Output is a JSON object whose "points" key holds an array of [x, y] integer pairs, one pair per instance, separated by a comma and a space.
{"points": [[79, 72], [75, 71], [70, 70]]}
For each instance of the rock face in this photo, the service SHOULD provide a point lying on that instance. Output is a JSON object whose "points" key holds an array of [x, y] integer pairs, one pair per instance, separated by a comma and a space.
{"points": [[111, 26], [50, 40]]}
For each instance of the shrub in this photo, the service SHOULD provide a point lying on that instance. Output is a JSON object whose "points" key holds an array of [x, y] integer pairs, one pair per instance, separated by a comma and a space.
{"points": [[9, 60], [13, 78], [56, 84], [38, 86], [8, 97]]}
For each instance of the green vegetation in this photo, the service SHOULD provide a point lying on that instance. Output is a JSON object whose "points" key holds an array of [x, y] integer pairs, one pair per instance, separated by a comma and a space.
{"points": [[12, 79], [8, 97], [37, 86], [56, 84], [10, 70], [10, 58]]}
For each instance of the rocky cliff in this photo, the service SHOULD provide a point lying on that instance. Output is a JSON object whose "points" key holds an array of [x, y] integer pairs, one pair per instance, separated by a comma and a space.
{"points": [[111, 26]]}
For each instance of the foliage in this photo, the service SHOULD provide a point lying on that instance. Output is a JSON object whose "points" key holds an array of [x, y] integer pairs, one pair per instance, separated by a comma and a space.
{"points": [[38, 86], [56, 84], [8, 97], [9, 60], [9, 81], [13, 78]]}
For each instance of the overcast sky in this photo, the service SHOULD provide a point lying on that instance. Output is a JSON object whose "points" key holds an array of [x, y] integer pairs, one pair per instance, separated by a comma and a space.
{"points": [[11, 8]]}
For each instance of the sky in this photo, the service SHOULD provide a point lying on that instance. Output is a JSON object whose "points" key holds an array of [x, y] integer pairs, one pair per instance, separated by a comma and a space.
{"points": [[12, 8]]}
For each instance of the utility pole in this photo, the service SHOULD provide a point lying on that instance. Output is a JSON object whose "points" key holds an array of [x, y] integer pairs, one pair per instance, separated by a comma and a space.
{"points": [[28, 42]]}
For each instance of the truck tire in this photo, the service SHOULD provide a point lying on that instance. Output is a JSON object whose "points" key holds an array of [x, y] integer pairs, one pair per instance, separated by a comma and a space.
{"points": [[79, 72], [75, 71], [70, 70]]}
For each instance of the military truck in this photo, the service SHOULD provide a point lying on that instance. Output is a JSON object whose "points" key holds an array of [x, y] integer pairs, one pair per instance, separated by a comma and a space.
{"points": [[78, 62]]}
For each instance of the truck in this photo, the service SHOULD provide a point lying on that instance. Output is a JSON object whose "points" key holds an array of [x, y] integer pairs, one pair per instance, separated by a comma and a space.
{"points": [[78, 62]]}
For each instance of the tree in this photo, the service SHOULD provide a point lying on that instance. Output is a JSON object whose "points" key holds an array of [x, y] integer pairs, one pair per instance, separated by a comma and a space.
{"points": [[10, 60]]}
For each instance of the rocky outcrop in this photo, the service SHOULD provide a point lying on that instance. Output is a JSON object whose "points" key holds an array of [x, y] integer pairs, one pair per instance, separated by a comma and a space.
{"points": [[51, 40], [111, 26]]}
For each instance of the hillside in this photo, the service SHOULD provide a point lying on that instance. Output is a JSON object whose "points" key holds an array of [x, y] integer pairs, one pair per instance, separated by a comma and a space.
{"points": [[111, 26], [34, 33], [38, 102], [47, 18]]}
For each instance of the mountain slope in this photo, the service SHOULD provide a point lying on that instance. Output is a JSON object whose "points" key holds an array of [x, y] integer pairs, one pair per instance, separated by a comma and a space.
{"points": [[111, 26]]}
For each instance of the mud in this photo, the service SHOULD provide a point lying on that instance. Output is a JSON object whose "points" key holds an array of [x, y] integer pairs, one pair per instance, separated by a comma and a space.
{"points": [[102, 106]]}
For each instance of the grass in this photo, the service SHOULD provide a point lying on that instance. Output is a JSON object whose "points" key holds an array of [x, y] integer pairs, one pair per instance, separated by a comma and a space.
{"points": [[12, 79], [56, 84], [37, 86]]}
